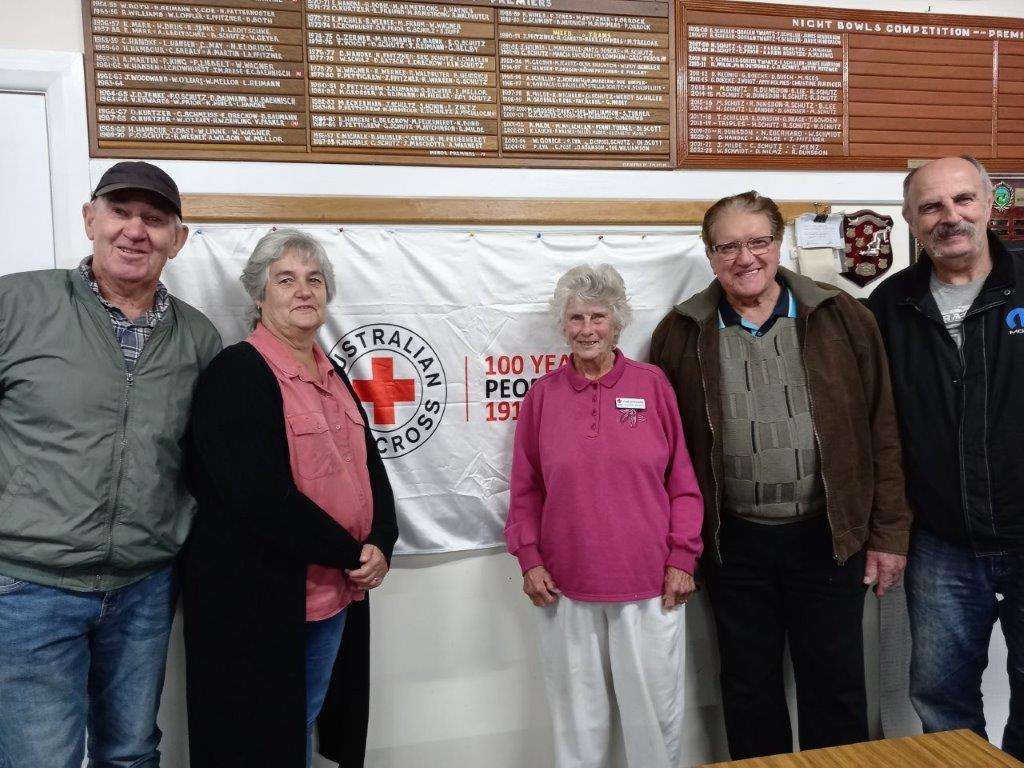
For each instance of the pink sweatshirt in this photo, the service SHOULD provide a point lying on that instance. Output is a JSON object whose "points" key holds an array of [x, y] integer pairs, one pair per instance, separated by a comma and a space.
{"points": [[603, 493]]}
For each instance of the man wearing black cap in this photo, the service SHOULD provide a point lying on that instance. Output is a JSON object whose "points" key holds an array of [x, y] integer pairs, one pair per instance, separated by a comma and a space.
{"points": [[97, 367]]}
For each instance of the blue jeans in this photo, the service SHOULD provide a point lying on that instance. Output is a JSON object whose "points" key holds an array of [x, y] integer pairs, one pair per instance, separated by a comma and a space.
{"points": [[74, 659], [323, 639], [951, 596]]}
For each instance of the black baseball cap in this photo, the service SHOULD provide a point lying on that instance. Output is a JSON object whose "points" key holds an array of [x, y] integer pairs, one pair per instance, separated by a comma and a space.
{"points": [[136, 174]]}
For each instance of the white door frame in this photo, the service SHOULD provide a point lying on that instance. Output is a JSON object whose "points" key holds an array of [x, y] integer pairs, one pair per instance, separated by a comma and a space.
{"points": [[60, 77]]}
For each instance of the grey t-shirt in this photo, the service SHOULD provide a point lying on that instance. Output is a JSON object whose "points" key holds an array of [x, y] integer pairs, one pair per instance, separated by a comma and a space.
{"points": [[954, 301]]}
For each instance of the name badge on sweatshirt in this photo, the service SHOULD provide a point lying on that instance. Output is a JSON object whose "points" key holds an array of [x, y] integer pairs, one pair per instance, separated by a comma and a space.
{"points": [[634, 403]]}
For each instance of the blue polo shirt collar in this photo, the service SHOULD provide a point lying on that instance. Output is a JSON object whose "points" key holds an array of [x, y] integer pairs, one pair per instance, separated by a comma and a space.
{"points": [[785, 306]]}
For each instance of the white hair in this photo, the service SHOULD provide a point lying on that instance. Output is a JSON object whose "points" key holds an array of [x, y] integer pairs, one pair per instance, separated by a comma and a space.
{"points": [[592, 284]]}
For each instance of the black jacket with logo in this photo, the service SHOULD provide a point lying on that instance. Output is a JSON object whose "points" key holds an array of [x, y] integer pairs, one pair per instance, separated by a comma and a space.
{"points": [[960, 411]]}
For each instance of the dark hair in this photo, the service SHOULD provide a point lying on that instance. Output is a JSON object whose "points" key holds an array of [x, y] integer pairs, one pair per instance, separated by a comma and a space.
{"points": [[751, 202]]}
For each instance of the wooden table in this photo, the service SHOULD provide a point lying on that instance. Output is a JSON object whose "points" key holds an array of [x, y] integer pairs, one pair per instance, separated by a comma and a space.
{"points": [[952, 749]]}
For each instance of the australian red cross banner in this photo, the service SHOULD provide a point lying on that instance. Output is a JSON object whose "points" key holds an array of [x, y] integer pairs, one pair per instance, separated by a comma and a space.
{"points": [[442, 332]]}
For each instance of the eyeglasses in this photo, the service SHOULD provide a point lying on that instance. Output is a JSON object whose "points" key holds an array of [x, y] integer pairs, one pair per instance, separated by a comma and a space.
{"points": [[756, 245]]}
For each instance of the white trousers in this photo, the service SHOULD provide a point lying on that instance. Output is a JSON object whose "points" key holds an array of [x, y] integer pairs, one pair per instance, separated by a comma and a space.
{"points": [[613, 673]]}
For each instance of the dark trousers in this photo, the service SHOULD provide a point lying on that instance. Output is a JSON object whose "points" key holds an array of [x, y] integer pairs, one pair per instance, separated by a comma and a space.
{"points": [[778, 582]]}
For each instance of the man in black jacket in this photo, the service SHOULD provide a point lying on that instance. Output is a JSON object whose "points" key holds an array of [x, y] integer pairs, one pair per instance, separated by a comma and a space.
{"points": [[953, 325]]}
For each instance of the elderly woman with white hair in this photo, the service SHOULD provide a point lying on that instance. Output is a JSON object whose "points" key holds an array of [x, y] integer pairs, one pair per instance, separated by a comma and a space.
{"points": [[296, 523], [604, 518]]}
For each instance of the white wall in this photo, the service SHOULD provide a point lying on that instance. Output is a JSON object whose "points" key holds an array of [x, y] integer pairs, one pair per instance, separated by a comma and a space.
{"points": [[25, 210], [455, 668], [46, 25]]}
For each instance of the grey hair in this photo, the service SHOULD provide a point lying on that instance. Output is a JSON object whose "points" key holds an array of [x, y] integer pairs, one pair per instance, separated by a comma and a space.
{"points": [[986, 180], [271, 247], [592, 284]]}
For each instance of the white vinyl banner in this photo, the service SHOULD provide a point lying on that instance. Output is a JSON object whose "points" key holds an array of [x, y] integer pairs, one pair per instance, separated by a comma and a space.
{"points": [[442, 332]]}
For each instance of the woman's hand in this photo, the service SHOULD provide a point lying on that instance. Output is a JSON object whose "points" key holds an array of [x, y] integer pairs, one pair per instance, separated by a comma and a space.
{"points": [[540, 587], [372, 571], [679, 587]]}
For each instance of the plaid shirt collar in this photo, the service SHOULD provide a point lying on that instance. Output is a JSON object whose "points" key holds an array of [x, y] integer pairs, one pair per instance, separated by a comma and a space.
{"points": [[160, 302], [132, 335]]}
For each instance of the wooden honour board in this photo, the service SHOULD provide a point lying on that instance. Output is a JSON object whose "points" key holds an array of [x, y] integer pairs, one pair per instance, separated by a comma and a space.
{"points": [[791, 86], [458, 82], [569, 83]]}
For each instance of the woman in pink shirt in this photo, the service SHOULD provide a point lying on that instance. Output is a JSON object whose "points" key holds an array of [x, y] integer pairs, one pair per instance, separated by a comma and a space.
{"points": [[296, 523], [604, 518]]}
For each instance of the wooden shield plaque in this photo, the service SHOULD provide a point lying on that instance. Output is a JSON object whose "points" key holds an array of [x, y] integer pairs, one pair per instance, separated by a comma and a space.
{"points": [[1008, 207], [868, 246]]}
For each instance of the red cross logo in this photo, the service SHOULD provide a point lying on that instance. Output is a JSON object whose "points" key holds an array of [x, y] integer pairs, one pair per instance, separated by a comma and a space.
{"points": [[383, 390]]}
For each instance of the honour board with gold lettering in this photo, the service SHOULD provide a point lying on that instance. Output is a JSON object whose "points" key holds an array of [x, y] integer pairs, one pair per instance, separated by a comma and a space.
{"points": [[805, 87], [643, 84], [460, 82]]}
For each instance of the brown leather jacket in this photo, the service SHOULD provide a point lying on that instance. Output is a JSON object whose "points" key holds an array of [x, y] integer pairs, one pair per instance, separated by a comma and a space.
{"points": [[851, 409]]}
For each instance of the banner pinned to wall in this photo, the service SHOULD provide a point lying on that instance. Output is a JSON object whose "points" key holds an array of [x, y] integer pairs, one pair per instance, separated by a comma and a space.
{"points": [[442, 332]]}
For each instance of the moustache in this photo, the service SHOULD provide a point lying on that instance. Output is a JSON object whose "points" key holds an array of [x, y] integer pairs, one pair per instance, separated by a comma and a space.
{"points": [[951, 230]]}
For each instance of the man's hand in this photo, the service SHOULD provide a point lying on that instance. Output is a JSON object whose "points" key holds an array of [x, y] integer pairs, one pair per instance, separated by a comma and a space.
{"points": [[884, 570], [679, 587], [540, 587]]}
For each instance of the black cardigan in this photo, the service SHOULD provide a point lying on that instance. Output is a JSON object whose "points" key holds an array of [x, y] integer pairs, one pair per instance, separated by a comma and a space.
{"points": [[244, 581]]}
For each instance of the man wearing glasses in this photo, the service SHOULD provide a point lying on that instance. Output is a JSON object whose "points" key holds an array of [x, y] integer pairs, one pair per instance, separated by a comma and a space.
{"points": [[784, 395]]}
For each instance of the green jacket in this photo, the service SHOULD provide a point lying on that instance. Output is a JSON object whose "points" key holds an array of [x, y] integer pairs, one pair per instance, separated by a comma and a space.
{"points": [[851, 410], [92, 495]]}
